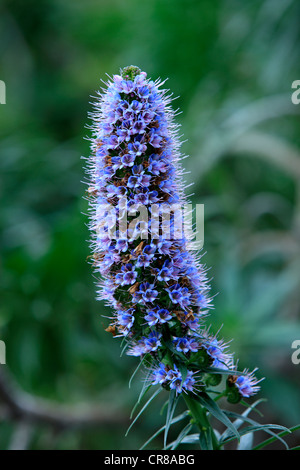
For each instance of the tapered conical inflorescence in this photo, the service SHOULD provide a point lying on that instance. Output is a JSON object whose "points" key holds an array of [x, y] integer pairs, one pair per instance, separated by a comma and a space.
{"points": [[157, 287]]}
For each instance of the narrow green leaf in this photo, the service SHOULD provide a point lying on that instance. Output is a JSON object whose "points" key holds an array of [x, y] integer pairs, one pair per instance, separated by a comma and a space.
{"points": [[191, 439], [142, 394], [163, 407], [253, 406], [173, 400], [217, 370], [183, 370], [268, 430], [143, 409], [180, 437], [174, 420], [216, 411], [205, 439], [277, 436], [246, 441], [239, 421], [135, 371], [252, 429]]}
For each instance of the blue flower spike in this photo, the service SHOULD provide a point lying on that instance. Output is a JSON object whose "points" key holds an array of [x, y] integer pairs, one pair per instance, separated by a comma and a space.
{"points": [[155, 284]]}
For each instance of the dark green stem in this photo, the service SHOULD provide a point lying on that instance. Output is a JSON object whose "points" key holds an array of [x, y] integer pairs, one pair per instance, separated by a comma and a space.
{"points": [[208, 439]]}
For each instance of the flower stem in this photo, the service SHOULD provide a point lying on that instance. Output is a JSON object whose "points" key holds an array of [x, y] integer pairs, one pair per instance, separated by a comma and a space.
{"points": [[207, 437]]}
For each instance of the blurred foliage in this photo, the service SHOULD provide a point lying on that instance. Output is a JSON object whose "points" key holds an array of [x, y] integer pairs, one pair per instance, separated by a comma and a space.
{"points": [[232, 64]]}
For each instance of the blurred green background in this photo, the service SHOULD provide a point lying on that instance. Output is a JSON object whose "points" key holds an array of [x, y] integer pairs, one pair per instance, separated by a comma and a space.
{"points": [[231, 64]]}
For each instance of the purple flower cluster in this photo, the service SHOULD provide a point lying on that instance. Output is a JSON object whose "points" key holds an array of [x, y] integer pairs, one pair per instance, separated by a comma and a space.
{"points": [[158, 289], [172, 378], [247, 384], [217, 351]]}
